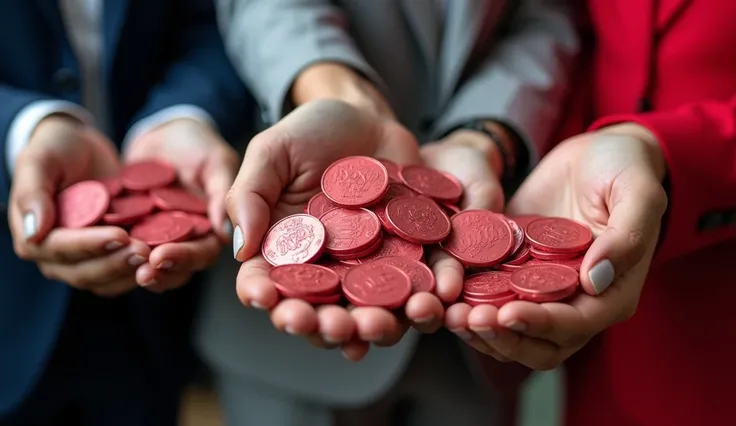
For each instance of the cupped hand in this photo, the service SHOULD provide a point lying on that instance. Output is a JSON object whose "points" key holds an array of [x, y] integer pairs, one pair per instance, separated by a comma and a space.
{"points": [[282, 169], [610, 180], [61, 152], [206, 166]]}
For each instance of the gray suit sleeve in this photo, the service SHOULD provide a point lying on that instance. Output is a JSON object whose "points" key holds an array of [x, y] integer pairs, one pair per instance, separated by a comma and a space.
{"points": [[523, 81], [272, 41]]}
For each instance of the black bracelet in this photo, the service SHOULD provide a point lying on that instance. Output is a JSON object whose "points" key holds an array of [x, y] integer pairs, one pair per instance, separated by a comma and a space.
{"points": [[507, 158]]}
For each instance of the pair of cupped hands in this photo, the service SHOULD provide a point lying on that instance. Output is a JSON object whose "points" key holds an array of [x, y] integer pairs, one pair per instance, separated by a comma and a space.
{"points": [[610, 180]]}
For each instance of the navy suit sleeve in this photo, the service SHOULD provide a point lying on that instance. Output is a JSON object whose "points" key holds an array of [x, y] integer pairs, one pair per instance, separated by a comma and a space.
{"points": [[201, 73], [12, 101]]}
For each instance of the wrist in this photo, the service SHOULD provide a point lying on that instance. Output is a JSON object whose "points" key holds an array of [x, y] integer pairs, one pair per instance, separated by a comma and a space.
{"points": [[644, 135], [327, 80]]}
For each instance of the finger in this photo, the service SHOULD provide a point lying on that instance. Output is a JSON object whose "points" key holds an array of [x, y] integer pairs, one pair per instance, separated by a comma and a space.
{"points": [[295, 317], [377, 325], [637, 203], [116, 288], [163, 280], [448, 273], [456, 320], [263, 174], [32, 196], [193, 256], [335, 324], [483, 193], [218, 176], [76, 245], [100, 271], [253, 285], [534, 353], [425, 312], [355, 350]]}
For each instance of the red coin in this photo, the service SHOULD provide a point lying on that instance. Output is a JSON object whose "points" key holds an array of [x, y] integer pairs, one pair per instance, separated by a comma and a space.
{"points": [[544, 283], [356, 255], [572, 263], [113, 184], [319, 204], [519, 257], [547, 255], [422, 278], [128, 210], [162, 228], [350, 231], [394, 190], [355, 182], [431, 183], [479, 238], [299, 238], [340, 268], [450, 209], [497, 302], [299, 280], [395, 246], [518, 233], [146, 175], [377, 284], [524, 220], [487, 285], [178, 199], [202, 225], [558, 235], [82, 204], [331, 299], [418, 220], [392, 169]]}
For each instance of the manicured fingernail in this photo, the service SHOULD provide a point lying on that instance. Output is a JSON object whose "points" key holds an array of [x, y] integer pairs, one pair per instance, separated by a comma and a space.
{"points": [[289, 330], [136, 260], [113, 245], [166, 264], [424, 320], [516, 326], [257, 305], [30, 227], [237, 241], [485, 333], [463, 334], [601, 276], [227, 227]]}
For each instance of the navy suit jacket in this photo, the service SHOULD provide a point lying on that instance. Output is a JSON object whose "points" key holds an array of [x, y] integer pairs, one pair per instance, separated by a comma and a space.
{"points": [[156, 54]]}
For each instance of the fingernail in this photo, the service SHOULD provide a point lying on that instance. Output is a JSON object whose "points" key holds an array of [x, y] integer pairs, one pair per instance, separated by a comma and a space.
{"points": [[516, 326], [376, 338], [485, 333], [136, 260], [166, 264], [257, 305], [113, 245], [330, 340], [462, 334], [601, 276], [30, 227], [424, 320], [344, 354], [289, 330], [227, 227], [237, 241]]}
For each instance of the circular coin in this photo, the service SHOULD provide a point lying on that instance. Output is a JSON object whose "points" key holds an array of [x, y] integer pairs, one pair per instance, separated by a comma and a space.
{"points": [[298, 280], [418, 220], [422, 278], [350, 231], [82, 204], [377, 284], [146, 175], [299, 238], [355, 182], [113, 184], [431, 183], [319, 204], [558, 235], [487, 285], [127, 210], [392, 169], [544, 282], [395, 246], [162, 228], [479, 238], [178, 199]]}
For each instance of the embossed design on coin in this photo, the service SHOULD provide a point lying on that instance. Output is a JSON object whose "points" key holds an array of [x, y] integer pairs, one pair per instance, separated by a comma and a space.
{"points": [[418, 219], [544, 279], [422, 278], [355, 182], [296, 280], [319, 204], [394, 190], [298, 238], [431, 183], [479, 238], [377, 284], [558, 235], [349, 230], [395, 246], [392, 169], [488, 284]]}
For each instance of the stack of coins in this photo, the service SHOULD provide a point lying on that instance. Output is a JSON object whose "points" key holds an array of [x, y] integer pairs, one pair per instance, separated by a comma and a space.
{"points": [[144, 199], [369, 227]]}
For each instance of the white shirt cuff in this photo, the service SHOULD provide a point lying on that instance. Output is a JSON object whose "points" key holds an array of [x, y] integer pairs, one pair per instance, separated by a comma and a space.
{"points": [[27, 119], [164, 116]]}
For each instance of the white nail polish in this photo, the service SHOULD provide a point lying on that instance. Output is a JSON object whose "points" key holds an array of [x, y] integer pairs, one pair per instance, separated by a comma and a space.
{"points": [[602, 275], [237, 241], [227, 227], [30, 227], [257, 305], [290, 330]]}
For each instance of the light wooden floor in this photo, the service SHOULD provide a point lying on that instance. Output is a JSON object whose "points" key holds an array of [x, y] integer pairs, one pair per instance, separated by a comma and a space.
{"points": [[540, 404]]}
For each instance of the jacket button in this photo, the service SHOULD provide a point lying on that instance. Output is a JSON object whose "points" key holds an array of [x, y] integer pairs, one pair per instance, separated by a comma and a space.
{"points": [[66, 80]]}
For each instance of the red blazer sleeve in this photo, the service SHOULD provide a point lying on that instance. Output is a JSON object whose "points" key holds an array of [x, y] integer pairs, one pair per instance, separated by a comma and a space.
{"points": [[699, 145]]}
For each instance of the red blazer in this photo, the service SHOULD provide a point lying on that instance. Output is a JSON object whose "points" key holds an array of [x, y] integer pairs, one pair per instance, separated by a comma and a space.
{"points": [[670, 65]]}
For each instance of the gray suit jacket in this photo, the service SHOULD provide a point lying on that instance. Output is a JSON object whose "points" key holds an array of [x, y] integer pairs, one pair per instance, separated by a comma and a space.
{"points": [[492, 59]]}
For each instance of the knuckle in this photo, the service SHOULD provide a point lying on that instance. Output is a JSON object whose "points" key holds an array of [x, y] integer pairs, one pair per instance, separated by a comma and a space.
{"points": [[636, 241]]}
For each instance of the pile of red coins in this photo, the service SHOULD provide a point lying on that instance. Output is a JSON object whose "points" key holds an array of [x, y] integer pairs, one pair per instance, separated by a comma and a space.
{"points": [[364, 236], [144, 199]]}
